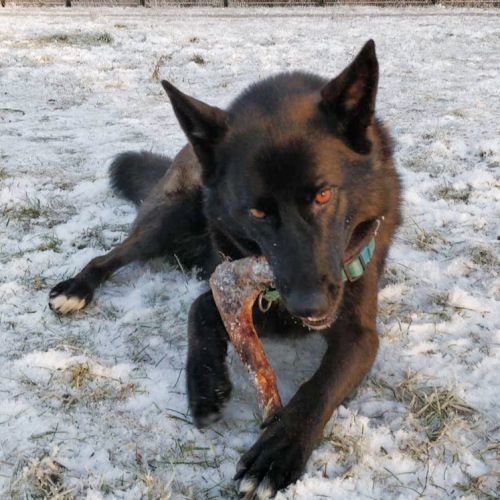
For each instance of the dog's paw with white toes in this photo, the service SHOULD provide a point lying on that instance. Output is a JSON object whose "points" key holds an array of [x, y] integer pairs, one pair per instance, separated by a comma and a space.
{"points": [[70, 296], [274, 462]]}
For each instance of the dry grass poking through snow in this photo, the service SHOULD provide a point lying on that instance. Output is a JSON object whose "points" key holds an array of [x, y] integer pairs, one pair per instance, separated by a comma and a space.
{"points": [[40, 479], [435, 408], [92, 39]]}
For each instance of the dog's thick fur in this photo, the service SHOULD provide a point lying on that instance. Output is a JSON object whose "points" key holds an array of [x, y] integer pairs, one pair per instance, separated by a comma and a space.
{"points": [[297, 169]]}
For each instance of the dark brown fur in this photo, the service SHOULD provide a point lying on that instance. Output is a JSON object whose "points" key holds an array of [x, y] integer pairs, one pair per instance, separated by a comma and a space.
{"points": [[282, 142]]}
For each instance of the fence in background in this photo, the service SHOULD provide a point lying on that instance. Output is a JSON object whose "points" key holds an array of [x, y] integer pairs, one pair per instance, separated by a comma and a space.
{"points": [[248, 3]]}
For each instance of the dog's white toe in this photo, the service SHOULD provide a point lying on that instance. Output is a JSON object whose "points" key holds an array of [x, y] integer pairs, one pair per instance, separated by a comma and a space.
{"points": [[265, 491], [247, 486], [64, 305]]}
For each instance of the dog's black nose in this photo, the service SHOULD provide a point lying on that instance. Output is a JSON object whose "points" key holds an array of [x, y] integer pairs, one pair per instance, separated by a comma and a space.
{"points": [[308, 304]]}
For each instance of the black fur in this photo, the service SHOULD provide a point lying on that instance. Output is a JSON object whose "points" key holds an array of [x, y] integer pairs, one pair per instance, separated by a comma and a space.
{"points": [[133, 175], [268, 94], [281, 144]]}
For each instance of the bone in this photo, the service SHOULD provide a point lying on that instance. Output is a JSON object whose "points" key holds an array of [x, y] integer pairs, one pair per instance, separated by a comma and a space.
{"points": [[235, 287]]}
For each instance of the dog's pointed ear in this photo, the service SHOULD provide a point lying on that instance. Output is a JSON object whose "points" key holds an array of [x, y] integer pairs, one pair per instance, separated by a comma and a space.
{"points": [[203, 125], [351, 97]]}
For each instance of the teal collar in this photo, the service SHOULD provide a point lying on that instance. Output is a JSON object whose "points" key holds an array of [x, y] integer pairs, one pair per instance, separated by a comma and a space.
{"points": [[354, 268], [355, 265]]}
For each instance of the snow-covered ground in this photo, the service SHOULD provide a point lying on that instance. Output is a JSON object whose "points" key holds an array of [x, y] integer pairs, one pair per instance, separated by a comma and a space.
{"points": [[94, 406]]}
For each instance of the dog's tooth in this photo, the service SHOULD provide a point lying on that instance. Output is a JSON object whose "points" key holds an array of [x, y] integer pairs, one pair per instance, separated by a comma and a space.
{"points": [[316, 320], [58, 301]]}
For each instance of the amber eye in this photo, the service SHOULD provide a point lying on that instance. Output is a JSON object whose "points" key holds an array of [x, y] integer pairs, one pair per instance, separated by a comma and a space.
{"points": [[324, 196], [258, 214]]}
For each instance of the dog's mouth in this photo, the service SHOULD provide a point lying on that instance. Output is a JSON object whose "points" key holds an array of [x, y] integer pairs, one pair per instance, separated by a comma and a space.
{"points": [[360, 237], [320, 323]]}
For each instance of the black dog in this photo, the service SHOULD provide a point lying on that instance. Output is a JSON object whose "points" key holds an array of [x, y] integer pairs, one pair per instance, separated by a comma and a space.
{"points": [[297, 169]]}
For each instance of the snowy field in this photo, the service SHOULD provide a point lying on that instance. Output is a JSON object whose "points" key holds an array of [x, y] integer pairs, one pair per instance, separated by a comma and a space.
{"points": [[94, 406]]}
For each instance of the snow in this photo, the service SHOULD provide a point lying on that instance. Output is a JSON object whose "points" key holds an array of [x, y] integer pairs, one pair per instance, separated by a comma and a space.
{"points": [[102, 393]]}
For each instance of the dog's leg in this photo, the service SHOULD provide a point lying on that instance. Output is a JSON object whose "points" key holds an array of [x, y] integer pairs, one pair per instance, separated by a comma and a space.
{"points": [[207, 377], [279, 456], [162, 228], [75, 293]]}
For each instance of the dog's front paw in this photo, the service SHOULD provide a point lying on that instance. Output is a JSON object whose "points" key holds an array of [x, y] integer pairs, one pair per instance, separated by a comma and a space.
{"points": [[69, 296], [275, 461], [209, 388]]}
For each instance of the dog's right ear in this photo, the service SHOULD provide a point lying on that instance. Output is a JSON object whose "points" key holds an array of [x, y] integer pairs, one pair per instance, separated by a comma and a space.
{"points": [[203, 125]]}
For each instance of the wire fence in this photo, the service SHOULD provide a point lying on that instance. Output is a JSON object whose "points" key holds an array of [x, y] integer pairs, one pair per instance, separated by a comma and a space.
{"points": [[249, 3]]}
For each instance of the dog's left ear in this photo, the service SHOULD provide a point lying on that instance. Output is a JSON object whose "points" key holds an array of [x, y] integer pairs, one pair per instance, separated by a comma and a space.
{"points": [[351, 96], [203, 125]]}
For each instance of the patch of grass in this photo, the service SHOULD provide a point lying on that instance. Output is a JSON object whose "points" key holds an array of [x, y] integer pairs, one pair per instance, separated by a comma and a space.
{"points": [[443, 300], [80, 384], [65, 186], [39, 282], [159, 63], [198, 59], [446, 192], [156, 488], [460, 113], [38, 479], [3, 173], [92, 237], [482, 487], [484, 257], [435, 407], [79, 374], [416, 163], [486, 152], [45, 60], [30, 209], [50, 243], [425, 240], [92, 39], [347, 444], [194, 39], [86, 385]]}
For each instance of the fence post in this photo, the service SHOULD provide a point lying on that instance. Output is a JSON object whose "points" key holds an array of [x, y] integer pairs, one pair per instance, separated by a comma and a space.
{"points": [[3, 3], [143, 3], [67, 3], [226, 3]]}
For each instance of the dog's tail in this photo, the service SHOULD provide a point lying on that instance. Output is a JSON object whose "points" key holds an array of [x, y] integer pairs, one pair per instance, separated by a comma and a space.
{"points": [[133, 175]]}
